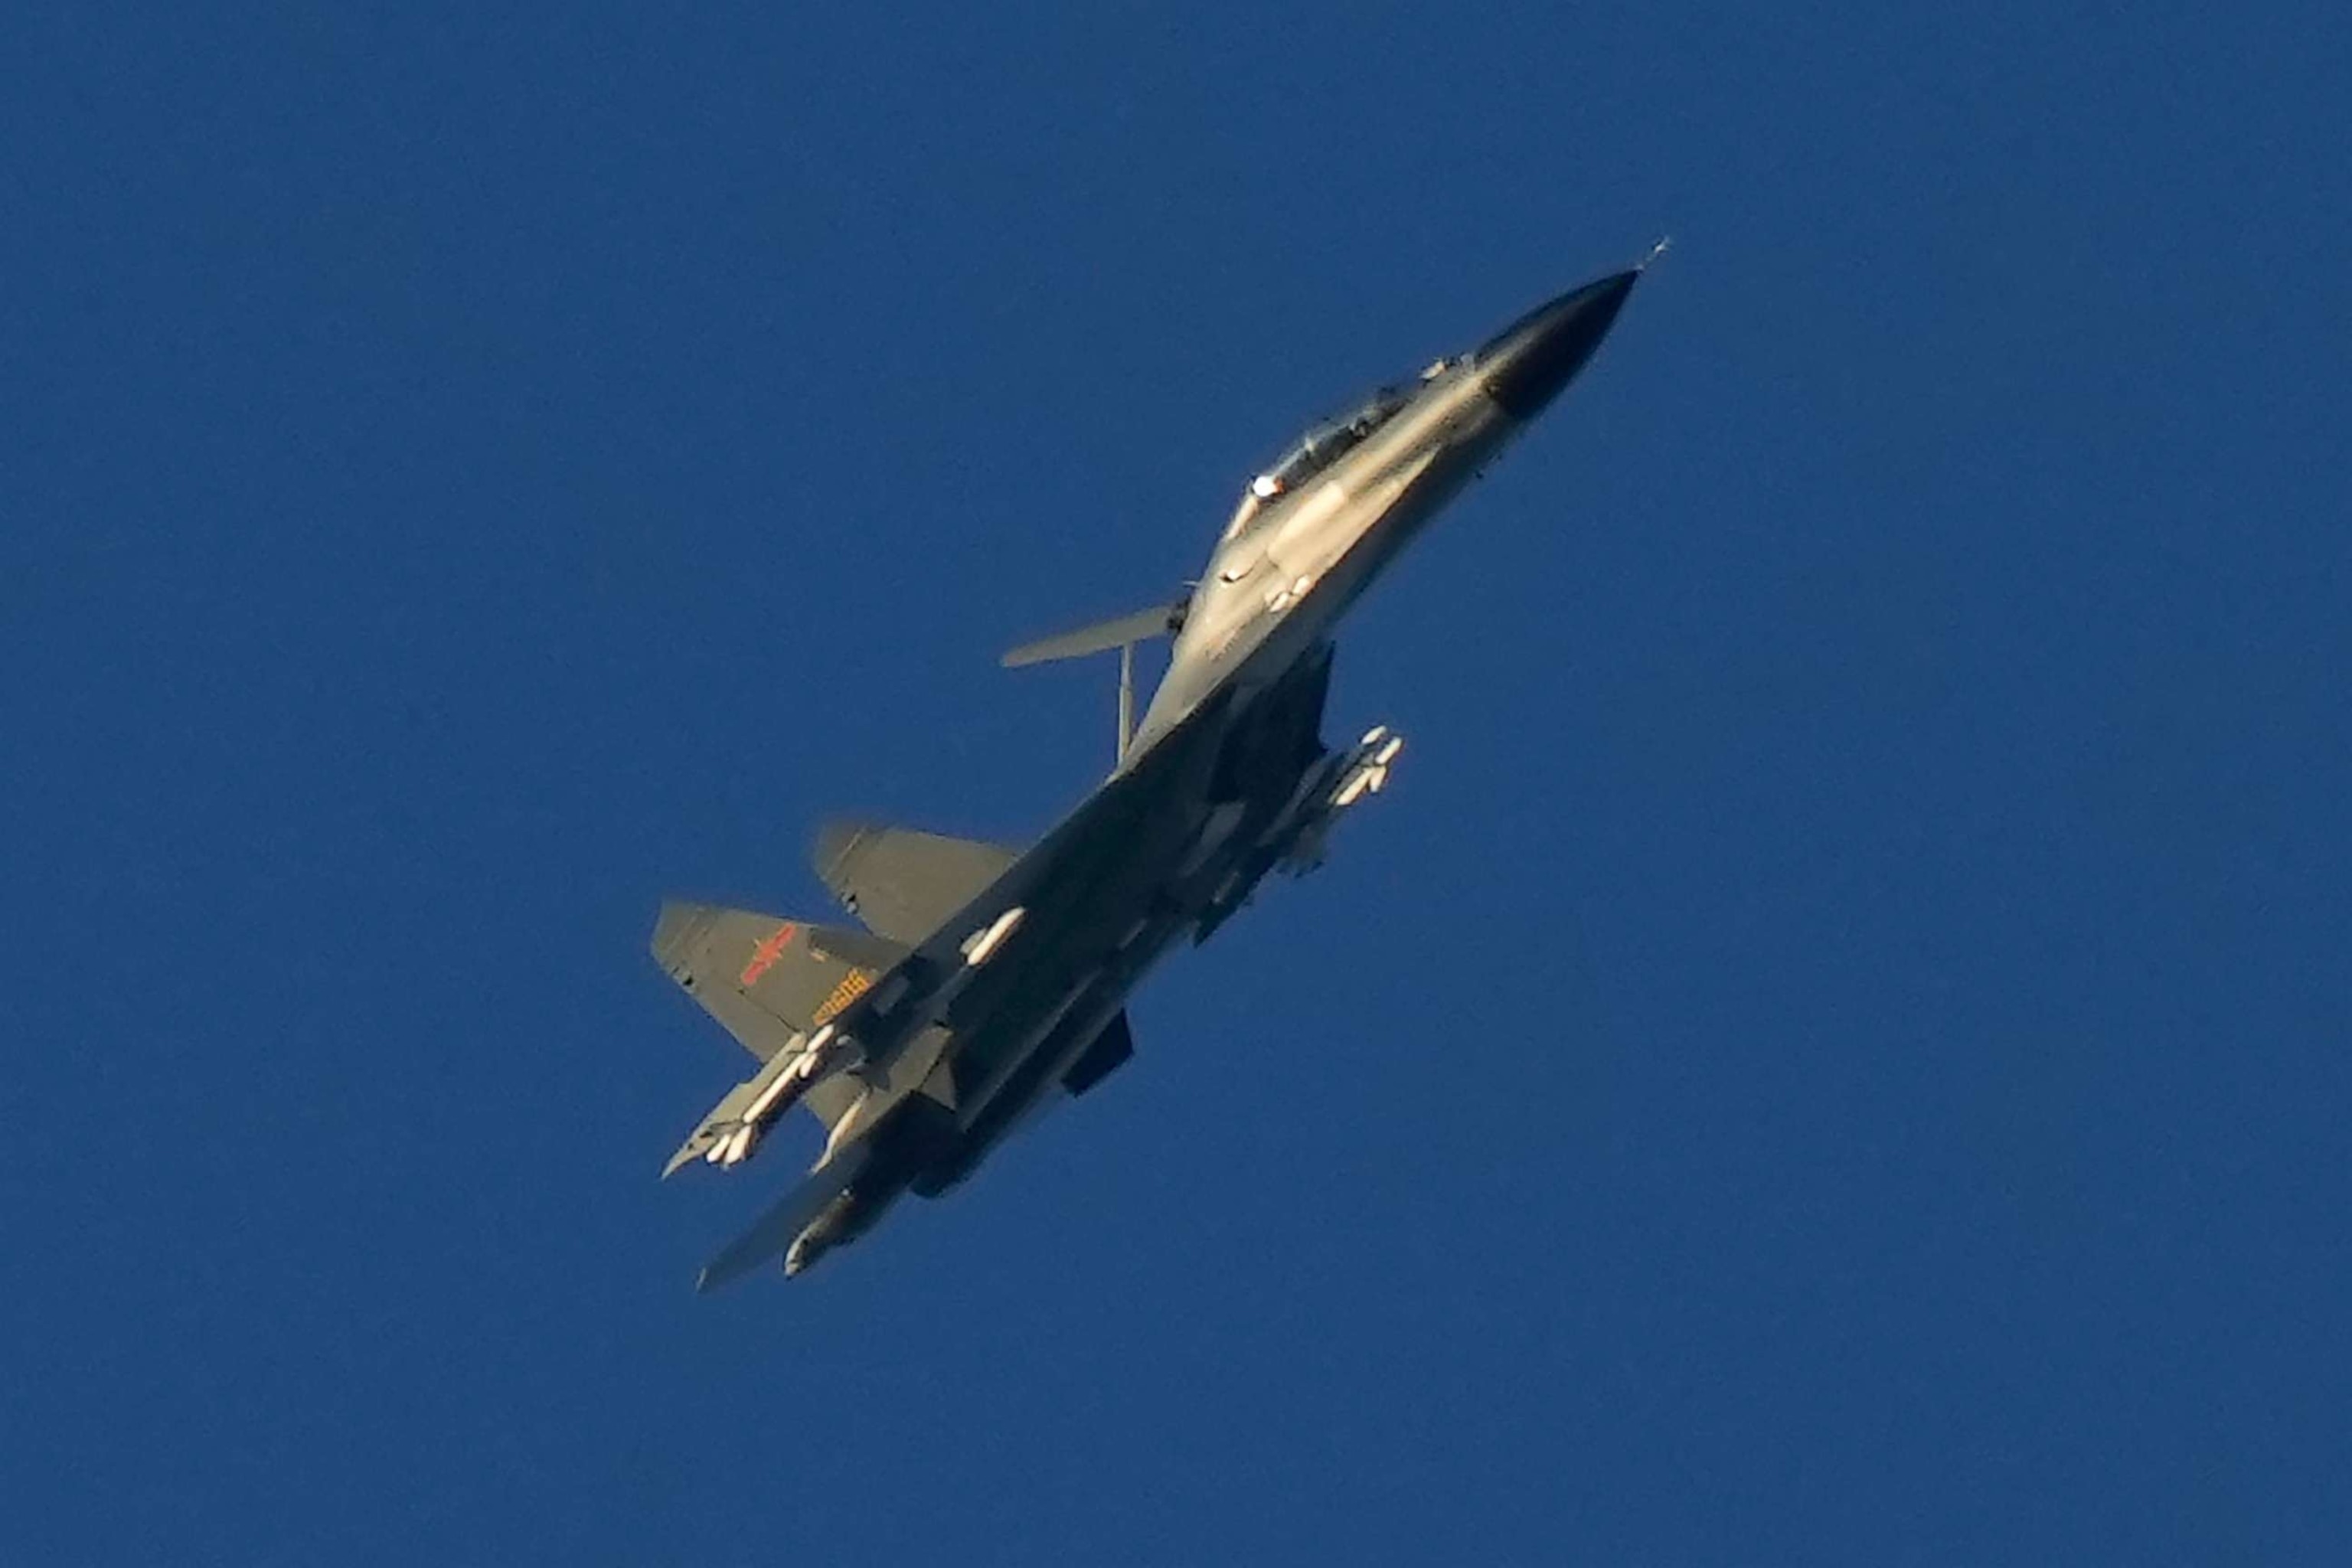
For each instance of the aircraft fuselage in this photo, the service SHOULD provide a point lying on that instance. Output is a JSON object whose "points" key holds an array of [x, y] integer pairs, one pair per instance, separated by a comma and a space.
{"points": [[1226, 778]]}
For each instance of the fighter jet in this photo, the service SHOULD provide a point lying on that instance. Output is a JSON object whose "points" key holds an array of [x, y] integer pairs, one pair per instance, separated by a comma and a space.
{"points": [[983, 983]]}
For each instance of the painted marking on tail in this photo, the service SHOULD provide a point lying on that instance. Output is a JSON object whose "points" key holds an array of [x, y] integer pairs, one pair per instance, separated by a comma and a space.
{"points": [[765, 956]]}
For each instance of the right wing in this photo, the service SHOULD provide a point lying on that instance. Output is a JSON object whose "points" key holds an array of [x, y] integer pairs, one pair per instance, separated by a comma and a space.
{"points": [[773, 1231], [903, 883]]}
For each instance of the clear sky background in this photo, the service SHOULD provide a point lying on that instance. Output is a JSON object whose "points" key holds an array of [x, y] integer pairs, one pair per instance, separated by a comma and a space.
{"points": [[1834, 1049]]}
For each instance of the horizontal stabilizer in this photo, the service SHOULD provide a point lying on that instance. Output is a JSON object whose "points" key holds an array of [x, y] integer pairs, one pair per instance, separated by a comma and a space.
{"points": [[1159, 621], [775, 1231], [904, 884]]}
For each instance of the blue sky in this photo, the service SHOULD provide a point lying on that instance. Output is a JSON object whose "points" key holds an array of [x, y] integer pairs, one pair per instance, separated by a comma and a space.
{"points": [[1834, 1049]]}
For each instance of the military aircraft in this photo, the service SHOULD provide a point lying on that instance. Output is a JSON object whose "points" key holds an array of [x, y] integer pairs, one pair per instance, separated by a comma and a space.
{"points": [[983, 983]]}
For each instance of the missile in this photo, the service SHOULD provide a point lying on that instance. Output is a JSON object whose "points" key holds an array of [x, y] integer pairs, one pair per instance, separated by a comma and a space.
{"points": [[730, 1133], [825, 1050], [981, 945], [1344, 780], [1369, 772]]}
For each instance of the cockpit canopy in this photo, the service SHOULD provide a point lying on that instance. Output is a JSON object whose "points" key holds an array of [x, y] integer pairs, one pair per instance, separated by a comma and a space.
{"points": [[1327, 442], [1317, 450]]}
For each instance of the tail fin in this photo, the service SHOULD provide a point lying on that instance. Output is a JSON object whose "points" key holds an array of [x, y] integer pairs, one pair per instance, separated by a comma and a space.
{"points": [[764, 978], [904, 884]]}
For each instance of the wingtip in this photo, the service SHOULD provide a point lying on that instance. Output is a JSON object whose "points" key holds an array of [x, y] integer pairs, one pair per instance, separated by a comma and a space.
{"points": [[675, 929], [835, 837], [719, 1273]]}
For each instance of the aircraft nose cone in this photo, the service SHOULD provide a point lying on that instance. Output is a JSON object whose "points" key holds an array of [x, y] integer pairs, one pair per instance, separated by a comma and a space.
{"points": [[1528, 363]]}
